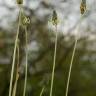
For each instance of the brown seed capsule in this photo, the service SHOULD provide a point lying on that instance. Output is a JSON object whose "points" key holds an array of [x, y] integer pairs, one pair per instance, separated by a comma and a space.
{"points": [[83, 6], [19, 1]]}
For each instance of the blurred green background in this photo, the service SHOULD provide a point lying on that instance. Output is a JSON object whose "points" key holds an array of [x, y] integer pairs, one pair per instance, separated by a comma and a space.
{"points": [[41, 40]]}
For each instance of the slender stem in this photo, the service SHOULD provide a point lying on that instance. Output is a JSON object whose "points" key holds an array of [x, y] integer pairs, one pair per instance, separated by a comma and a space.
{"points": [[54, 62], [25, 83], [41, 93], [71, 63], [70, 69], [14, 54], [17, 74]]}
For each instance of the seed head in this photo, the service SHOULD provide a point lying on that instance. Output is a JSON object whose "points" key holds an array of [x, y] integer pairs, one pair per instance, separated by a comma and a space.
{"points": [[54, 18], [83, 6], [26, 21], [19, 2]]}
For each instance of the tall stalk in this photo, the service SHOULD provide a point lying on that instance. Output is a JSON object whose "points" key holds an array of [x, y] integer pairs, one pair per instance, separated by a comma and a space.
{"points": [[14, 53], [17, 74], [26, 60], [71, 63], [55, 22], [82, 9], [70, 69], [54, 62]]}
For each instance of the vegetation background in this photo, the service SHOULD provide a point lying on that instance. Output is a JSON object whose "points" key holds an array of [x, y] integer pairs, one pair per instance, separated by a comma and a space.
{"points": [[41, 36]]}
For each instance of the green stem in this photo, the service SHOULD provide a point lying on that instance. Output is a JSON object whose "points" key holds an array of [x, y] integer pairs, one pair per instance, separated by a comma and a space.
{"points": [[25, 83], [71, 63], [54, 62], [14, 54], [41, 93], [17, 74], [70, 69]]}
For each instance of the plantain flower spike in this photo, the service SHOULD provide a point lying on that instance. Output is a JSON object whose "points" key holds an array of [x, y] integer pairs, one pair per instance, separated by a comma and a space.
{"points": [[54, 18], [26, 21], [83, 6], [20, 2]]}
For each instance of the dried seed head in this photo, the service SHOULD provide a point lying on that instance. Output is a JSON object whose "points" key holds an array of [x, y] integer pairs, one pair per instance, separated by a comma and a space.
{"points": [[83, 6], [19, 2], [54, 18], [26, 21]]}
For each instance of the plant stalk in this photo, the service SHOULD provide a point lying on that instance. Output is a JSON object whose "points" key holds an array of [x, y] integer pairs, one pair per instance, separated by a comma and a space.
{"points": [[54, 62]]}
